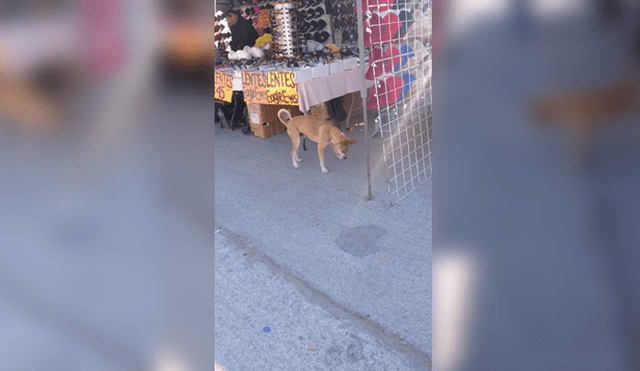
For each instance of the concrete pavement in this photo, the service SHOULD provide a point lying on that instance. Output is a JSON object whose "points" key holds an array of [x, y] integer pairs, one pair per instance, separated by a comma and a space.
{"points": [[267, 319], [362, 265]]}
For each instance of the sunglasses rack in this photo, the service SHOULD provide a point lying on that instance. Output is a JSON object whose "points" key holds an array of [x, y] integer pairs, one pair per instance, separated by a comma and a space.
{"points": [[284, 25]]}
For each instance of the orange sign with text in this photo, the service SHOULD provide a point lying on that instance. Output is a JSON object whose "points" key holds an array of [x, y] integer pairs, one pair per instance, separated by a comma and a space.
{"points": [[278, 88], [281, 89], [254, 87], [223, 86]]}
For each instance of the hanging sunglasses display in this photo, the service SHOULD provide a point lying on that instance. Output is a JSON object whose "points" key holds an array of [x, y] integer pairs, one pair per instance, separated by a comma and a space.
{"points": [[284, 26]]}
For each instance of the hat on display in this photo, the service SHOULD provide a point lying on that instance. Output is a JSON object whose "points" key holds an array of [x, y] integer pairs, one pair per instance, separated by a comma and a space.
{"points": [[407, 20], [320, 25], [376, 5], [321, 37], [311, 14], [380, 29], [304, 27], [313, 26], [382, 62], [345, 36], [398, 4], [385, 92], [353, 37]]}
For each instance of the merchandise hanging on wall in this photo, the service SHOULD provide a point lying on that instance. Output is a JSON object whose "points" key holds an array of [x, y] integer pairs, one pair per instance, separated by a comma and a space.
{"points": [[345, 23], [397, 35], [222, 32], [314, 21]]}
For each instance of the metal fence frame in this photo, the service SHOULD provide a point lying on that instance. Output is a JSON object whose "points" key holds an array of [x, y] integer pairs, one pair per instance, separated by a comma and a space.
{"points": [[404, 124]]}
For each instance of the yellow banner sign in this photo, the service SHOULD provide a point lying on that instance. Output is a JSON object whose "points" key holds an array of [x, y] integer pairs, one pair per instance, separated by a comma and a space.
{"points": [[223, 86], [254, 87], [282, 89], [278, 88]]}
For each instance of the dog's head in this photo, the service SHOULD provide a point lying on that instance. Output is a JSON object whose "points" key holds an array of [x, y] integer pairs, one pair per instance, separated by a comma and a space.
{"points": [[343, 146]]}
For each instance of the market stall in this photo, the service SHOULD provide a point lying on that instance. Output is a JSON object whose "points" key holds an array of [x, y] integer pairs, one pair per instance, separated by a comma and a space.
{"points": [[370, 56], [288, 65], [296, 88]]}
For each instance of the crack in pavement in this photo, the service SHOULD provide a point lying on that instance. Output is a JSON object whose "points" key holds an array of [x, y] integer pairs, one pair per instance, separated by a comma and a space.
{"points": [[387, 336]]}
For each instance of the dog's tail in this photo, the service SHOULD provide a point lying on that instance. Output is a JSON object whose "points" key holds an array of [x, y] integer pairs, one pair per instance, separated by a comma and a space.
{"points": [[284, 116]]}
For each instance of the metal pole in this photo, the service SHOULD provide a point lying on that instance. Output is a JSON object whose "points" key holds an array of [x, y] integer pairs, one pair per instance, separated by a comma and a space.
{"points": [[363, 94]]}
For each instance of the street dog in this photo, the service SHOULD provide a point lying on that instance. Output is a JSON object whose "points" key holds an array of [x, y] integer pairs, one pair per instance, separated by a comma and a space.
{"points": [[319, 131], [586, 110], [26, 110]]}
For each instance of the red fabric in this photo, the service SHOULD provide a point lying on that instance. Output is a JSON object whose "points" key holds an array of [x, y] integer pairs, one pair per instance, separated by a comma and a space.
{"points": [[101, 28]]}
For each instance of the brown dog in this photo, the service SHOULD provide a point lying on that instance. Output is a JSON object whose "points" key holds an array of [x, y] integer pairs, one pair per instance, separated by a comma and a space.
{"points": [[586, 110], [29, 111], [319, 131]]}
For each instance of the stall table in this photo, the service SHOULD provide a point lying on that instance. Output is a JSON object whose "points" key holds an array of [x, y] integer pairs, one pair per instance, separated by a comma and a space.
{"points": [[312, 95]]}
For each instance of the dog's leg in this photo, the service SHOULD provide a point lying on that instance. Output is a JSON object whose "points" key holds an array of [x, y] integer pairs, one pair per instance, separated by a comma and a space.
{"points": [[321, 155], [298, 159], [295, 143]]}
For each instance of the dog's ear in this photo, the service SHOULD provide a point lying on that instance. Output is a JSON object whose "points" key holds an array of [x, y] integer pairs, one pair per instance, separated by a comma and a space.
{"points": [[351, 141]]}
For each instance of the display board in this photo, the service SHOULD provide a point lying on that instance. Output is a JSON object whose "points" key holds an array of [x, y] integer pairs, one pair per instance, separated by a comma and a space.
{"points": [[223, 86], [397, 36]]}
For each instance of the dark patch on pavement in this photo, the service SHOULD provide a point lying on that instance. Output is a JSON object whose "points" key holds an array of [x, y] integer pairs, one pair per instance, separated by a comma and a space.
{"points": [[333, 356], [355, 352], [360, 241]]}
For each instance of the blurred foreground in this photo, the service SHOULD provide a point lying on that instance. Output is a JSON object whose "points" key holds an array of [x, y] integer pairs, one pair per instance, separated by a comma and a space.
{"points": [[106, 197], [536, 185]]}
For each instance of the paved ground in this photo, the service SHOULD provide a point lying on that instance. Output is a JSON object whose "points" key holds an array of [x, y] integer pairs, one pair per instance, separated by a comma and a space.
{"points": [[358, 266], [268, 319]]}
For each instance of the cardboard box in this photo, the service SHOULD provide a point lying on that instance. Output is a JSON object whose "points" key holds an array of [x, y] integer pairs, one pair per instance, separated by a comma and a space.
{"points": [[320, 110], [263, 119], [356, 111]]}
